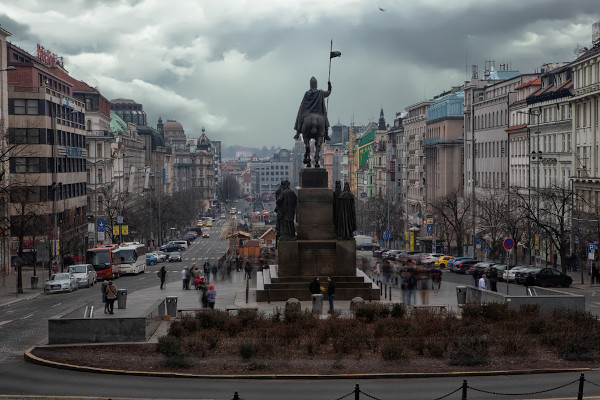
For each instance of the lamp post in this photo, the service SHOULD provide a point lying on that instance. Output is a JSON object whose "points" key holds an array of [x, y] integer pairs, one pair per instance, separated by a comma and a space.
{"points": [[532, 156]]}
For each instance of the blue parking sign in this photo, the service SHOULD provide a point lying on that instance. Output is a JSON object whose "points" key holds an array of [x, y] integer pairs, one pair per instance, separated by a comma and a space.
{"points": [[101, 225], [430, 229]]}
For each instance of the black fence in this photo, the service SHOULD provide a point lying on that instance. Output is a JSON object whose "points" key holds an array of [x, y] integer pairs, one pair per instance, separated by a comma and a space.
{"points": [[578, 384]]}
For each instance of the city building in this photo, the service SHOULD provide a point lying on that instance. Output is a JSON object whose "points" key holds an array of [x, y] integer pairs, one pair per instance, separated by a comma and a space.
{"points": [[4, 238], [48, 194], [443, 145], [267, 175]]}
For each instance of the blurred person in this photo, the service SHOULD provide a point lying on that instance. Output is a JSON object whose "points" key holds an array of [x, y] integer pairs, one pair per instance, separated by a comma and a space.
{"points": [[436, 280], [211, 296], [315, 286], [162, 274], [411, 286], [492, 276], [330, 292], [423, 284]]}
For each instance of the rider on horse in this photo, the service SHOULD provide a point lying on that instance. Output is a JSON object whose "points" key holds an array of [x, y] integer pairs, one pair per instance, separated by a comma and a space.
{"points": [[313, 102]]}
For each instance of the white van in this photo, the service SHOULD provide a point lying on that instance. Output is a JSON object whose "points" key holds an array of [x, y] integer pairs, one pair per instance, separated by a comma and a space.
{"points": [[182, 243], [84, 273]]}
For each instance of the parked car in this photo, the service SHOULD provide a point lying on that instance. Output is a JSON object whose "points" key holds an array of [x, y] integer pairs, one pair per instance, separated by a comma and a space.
{"points": [[151, 259], [463, 266], [175, 256], [390, 254], [430, 258], [160, 255], [480, 267], [509, 275], [171, 247], [406, 255], [552, 277], [61, 282], [455, 260], [379, 253], [367, 247], [442, 262], [521, 275], [85, 274], [183, 243]]}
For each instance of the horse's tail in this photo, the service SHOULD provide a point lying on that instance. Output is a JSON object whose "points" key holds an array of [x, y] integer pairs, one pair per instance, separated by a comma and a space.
{"points": [[313, 131]]}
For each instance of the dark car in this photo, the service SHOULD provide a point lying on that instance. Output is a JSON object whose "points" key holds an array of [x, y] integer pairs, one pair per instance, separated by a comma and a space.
{"points": [[171, 248], [521, 275], [379, 253], [462, 267], [552, 277]]}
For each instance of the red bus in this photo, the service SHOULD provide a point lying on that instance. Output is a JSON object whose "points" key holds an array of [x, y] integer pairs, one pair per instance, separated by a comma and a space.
{"points": [[104, 259]]}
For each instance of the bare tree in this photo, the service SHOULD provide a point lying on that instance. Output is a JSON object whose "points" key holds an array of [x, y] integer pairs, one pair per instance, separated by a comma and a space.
{"points": [[450, 211], [492, 208], [553, 216], [229, 188]]}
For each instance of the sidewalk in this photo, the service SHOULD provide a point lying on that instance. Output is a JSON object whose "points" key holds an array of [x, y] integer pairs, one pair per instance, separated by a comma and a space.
{"points": [[8, 285]]}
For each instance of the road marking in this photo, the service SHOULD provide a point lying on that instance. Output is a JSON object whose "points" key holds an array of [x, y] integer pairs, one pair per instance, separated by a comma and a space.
{"points": [[5, 322], [56, 305], [27, 316]]}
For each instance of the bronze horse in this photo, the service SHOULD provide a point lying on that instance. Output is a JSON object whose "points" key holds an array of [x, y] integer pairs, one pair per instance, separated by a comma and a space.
{"points": [[313, 127]]}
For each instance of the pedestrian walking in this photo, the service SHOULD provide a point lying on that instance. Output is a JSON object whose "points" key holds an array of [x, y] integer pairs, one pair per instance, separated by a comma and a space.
{"points": [[162, 274], [595, 273], [436, 280], [111, 296], [206, 269], [203, 296], [411, 286], [184, 277], [330, 292], [103, 289], [248, 270], [211, 295]]}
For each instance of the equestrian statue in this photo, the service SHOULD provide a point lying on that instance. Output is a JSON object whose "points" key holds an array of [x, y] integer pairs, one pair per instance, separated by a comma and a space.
{"points": [[312, 121]]}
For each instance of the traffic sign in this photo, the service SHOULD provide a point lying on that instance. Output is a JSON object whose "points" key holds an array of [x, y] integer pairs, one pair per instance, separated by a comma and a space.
{"points": [[509, 243], [101, 225], [429, 229]]}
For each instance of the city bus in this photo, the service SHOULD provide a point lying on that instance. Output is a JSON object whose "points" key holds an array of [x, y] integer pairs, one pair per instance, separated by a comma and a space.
{"points": [[133, 258], [104, 259]]}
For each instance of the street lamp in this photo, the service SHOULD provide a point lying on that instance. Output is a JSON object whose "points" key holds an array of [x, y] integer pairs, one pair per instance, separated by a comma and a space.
{"points": [[532, 156]]}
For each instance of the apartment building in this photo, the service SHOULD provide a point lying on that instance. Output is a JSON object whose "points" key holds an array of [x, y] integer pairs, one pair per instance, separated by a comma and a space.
{"points": [[48, 161]]}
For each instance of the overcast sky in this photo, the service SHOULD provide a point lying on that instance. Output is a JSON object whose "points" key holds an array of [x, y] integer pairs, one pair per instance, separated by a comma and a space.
{"points": [[240, 68]]}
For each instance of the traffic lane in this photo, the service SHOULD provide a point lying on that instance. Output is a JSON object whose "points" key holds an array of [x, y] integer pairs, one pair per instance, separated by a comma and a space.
{"points": [[25, 323], [29, 379]]}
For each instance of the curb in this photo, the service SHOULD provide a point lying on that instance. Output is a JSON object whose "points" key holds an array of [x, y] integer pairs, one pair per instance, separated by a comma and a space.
{"points": [[29, 357]]}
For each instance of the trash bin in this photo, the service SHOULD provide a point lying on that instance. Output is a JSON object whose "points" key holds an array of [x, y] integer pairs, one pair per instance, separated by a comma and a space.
{"points": [[461, 295], [34, 282], [172, 306], [121, 298], [317, 304]]}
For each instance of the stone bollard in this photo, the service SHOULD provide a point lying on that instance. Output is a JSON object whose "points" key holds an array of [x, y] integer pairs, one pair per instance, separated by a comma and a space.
{"points": [[293, 305], [355, 302]]}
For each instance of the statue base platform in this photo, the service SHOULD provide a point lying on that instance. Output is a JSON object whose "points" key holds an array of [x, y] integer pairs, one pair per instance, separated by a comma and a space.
{"points": [[316, 251]]}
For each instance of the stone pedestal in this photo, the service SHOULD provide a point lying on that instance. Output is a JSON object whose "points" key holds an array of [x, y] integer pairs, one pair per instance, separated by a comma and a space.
{"points": [[316, 252]]}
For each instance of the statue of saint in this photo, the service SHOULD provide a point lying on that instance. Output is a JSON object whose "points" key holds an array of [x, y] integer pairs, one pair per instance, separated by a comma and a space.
{"points": [[278, 212], [313, 102], [336, 193], [286, 204], [346, 214]]}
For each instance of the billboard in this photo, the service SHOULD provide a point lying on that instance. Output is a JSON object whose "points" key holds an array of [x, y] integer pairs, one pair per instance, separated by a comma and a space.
{"points": [[595, 32]]}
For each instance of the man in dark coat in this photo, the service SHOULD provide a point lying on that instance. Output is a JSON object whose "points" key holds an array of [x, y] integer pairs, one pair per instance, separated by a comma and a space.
{"points": [[336, 194], [313, 102], [315, 286]]}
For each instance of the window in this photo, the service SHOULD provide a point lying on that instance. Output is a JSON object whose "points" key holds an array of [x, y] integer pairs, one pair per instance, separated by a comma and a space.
{"points": [[26, 107]]}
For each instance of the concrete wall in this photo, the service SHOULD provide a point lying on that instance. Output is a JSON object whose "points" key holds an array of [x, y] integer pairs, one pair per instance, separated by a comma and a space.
{"points": [[71, 327], [547, 299]]}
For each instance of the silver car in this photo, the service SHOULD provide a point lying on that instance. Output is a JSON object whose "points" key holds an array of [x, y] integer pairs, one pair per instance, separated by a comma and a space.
{"points": [[84, 273], [61, 282]]}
